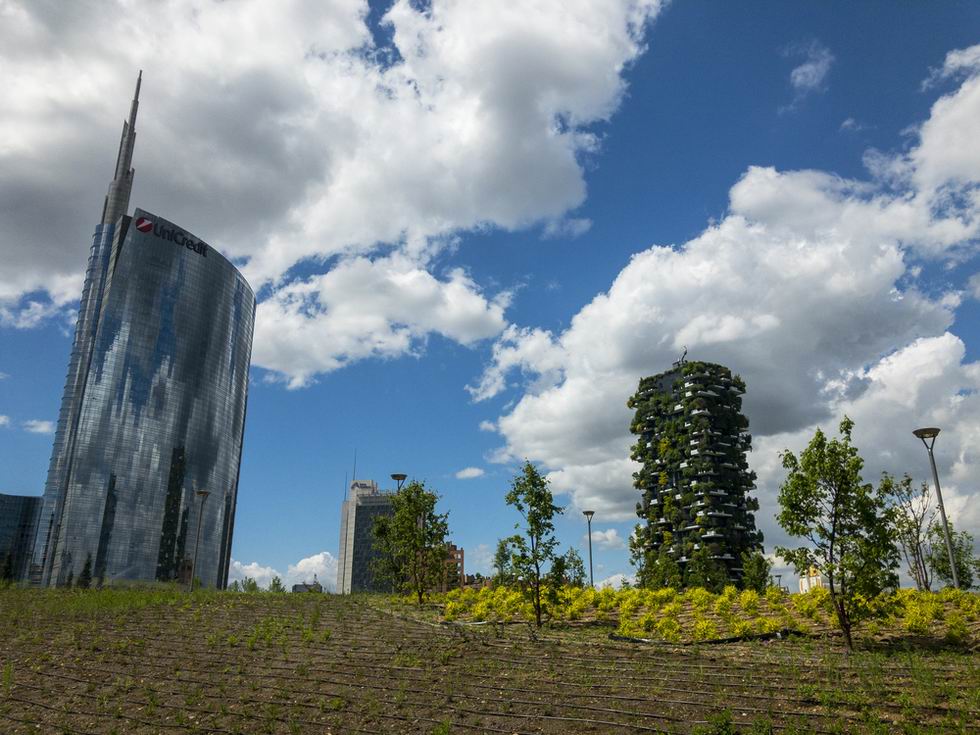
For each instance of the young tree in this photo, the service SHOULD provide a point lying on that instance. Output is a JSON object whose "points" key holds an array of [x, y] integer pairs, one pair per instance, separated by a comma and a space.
{"points": [[276, 585], [847, 522], [85, 578], [532, 498], [574, 568], [412, 541], [703, 571], [937, 556], [502, 562], [567, 569], [755, 571], [913, 513], [250, 585], [654, 570]]}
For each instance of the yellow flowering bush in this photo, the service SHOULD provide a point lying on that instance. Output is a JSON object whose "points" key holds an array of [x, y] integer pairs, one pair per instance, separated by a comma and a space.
{"points": [[699, 598], [748, 600], [704, 630]]}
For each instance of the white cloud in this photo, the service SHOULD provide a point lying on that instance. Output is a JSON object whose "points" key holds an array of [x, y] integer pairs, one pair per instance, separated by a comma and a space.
{"points": [[811, 75], [261, 574], [4, 376], [808, 288], [303, 123], [36, 426], [852, 126], [478, 559], [4, 420], [323, 565], [616, 581], [488, 426], [974, 285], [469, 473], [365, 308], [608, 539], [567, 228]]}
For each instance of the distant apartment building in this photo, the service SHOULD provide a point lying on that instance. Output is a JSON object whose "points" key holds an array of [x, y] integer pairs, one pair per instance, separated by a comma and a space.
{"points": [[812, 580], [19, 515], [364, 503], [454, 574]]}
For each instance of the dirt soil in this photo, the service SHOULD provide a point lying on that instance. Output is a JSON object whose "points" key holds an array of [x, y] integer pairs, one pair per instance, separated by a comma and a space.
{"points": [[264, 663]]}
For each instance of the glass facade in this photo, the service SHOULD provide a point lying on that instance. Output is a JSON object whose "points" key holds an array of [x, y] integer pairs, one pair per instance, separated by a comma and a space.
{"points": [[153, 411], [18, 525]]}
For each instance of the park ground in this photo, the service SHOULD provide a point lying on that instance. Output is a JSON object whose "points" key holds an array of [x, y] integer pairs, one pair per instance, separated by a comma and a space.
{"points": [[164, 661]]}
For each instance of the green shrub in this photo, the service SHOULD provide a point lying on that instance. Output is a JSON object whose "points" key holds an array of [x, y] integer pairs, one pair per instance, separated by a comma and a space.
{"points": [[957, 630], [704, 630], [748, 600], [700, 598], [920, 612], [669, 629]]}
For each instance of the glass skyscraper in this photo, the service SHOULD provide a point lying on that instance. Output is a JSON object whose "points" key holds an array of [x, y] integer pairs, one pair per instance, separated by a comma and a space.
{"points": [[153, 412]]}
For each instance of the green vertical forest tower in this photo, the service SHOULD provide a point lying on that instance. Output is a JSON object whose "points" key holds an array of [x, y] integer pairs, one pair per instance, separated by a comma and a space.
{"points": [[695, 480]]}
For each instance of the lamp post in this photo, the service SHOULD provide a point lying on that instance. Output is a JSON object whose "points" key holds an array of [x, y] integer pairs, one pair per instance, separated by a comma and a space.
{"points": [[588, 519], [203, 495], [399, 477], [931, 433]]}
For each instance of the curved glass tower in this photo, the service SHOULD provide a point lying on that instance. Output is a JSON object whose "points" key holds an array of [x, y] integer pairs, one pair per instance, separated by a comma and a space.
{"points": [[144, 474]]}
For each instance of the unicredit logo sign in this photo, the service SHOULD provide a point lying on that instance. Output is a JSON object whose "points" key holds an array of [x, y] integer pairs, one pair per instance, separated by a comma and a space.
{"points": [[173, 235]]}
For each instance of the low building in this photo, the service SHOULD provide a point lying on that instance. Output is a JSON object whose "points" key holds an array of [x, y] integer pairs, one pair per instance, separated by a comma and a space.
{"points": [[812, 580], [308, 587], [19, 515]]}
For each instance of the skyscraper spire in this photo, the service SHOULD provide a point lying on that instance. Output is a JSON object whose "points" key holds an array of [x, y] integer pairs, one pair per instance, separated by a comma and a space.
{"points": [[117, 200]]}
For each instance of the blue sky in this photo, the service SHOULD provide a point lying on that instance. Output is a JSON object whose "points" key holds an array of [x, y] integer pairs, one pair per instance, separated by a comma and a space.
{"points": [[533, 211]]}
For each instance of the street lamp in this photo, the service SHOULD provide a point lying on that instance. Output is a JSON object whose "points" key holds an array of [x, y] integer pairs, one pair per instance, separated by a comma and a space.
{"points": [[931, 433], [399, 477], [588, 519], [203, 495]]}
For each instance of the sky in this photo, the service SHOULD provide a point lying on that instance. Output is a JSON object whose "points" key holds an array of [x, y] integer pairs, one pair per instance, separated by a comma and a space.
{"points": [[473, 226]]}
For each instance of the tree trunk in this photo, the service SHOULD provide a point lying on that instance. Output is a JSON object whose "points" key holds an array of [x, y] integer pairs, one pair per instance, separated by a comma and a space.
{"points": [[842, 620], [845, 624]]}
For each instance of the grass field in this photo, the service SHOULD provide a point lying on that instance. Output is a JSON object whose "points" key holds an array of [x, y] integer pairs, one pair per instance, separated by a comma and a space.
{"points": [[161, 661]]}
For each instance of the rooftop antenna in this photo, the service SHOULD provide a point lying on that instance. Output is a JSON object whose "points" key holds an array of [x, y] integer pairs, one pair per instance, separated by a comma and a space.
{"points": [[354, 478], [117, 199], [683, 358]]}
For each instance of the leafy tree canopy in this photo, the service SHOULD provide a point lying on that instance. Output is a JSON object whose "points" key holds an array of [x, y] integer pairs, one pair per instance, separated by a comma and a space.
{"points": [[412, 541], [847, 523], [535, 546], [937, 556]]}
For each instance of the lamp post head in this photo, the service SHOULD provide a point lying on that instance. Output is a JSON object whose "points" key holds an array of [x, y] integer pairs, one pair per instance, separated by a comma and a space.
{"points": [[929, 432], [399, 477], [588, 514], [202, 493]]}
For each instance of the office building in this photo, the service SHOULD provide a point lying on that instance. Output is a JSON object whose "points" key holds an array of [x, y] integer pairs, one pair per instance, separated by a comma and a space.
{"points": [[19, 515], [149, 437], [694, 480], [364, 503]]}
